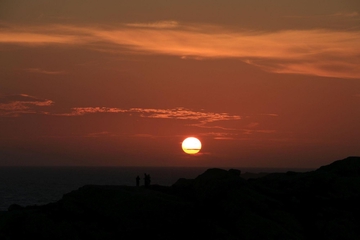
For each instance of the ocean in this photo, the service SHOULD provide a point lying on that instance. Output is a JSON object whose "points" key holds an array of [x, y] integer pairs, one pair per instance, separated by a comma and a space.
{"points": [[41, 185]]}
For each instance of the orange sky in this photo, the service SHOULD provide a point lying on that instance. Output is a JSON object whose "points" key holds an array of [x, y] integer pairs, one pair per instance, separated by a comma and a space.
{"points": [[260, 83]]}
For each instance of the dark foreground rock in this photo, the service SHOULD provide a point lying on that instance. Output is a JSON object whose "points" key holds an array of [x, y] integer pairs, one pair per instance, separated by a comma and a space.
{"points": [[218, 204]]}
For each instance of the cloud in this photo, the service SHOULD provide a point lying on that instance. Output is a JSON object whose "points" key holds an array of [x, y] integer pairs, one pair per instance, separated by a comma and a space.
{"points": [[270, 114], [86, 110], [203, 125], [14, 105], [185, 114], [320, 52], [174, 113], [17, 104], [221, 135], [236, 134], [200, 119], [252, 131], [42, 71], [160, 24]]}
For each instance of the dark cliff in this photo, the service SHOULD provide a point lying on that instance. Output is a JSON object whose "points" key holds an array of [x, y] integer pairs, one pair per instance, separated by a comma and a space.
{"points": [[218, 204]]}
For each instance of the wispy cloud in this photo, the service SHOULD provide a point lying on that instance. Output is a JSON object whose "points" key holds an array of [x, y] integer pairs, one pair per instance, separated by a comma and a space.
{"points": [[42, 71], [160, 24], [23, 103], [174, 113], [221, 135], [14, 105], [198, 119], [204, 125], [87, 110], [18, 104], [185, 114], [320, 52], [252, 131], [270, 114], [236, 134]]}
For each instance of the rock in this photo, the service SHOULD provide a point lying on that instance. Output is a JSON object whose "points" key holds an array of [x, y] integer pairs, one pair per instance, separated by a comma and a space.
{"points": [[347, 167], [218, 204], [183, 183], [15, 207], [236, 172]]}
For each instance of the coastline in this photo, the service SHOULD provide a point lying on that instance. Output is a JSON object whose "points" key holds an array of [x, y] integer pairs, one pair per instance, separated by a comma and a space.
{"points": [[217, 204]]}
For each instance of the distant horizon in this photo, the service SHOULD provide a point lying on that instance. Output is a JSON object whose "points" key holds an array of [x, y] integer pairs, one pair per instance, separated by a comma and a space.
{"points": [[78, 166], [193, 162]]}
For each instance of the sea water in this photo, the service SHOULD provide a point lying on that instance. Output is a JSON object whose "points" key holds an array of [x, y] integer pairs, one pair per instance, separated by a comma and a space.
{"points": [[41, 185]]}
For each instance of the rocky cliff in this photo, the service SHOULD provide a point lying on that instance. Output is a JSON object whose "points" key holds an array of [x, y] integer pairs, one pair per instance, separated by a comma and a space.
{"points": [[218, 204]]}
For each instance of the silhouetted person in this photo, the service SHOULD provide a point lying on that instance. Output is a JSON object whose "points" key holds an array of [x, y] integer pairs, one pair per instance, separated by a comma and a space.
{"points": [[137, 181]]}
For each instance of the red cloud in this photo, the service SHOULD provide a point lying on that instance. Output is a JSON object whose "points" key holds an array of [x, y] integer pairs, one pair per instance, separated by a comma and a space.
{"points": [[174, 113], [13, 105], [320, 52]]}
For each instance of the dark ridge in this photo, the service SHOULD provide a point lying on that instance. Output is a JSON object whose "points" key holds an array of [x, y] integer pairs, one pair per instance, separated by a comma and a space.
{"points": [[347, 166], [218, 204]]}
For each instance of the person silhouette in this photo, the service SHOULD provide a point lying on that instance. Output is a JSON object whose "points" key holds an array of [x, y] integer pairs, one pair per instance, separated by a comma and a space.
{"points": [[137, 181]]}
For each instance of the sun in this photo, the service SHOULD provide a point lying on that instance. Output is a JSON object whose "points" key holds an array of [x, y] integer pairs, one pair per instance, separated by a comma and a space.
{"points": [[191, 145]]}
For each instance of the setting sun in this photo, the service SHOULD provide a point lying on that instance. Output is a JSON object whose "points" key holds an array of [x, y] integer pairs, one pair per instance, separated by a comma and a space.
{"points": [[191, 145]]}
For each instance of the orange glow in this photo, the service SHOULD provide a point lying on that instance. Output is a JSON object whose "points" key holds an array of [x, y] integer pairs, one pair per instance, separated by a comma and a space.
{"points": [[328, 53], [117, 83]]}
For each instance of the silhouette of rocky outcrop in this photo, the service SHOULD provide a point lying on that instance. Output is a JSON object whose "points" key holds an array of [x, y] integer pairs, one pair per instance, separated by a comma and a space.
{"points": [[347, 167], [218, 204]]}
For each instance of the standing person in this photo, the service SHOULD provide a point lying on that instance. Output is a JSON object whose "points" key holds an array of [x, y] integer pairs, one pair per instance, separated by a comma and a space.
{"points": [[137, 181]]}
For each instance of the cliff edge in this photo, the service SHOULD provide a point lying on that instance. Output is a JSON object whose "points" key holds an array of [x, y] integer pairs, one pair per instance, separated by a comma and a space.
{"points": [[218, 204]]}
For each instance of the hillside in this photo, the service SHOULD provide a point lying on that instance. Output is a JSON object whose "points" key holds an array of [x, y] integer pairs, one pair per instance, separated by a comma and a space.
{"points": [[218, 204]]}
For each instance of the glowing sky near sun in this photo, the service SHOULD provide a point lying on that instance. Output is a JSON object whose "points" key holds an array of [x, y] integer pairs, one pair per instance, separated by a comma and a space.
{"points": [[262, 83]]}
